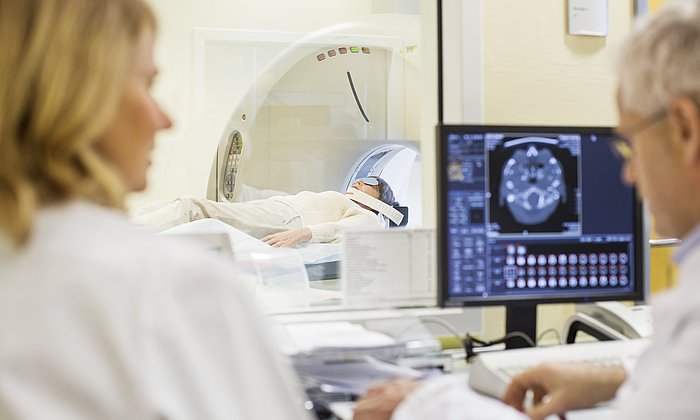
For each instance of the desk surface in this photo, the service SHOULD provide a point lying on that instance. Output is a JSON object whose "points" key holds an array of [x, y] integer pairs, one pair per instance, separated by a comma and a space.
{"points": [[344, 410]]}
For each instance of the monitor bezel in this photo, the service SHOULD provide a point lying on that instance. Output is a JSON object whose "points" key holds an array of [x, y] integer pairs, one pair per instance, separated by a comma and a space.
{"points": [[444, 300]]}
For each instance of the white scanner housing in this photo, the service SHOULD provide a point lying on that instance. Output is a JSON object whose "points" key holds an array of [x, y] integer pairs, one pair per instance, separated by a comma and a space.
{"points": [[333, 106]]}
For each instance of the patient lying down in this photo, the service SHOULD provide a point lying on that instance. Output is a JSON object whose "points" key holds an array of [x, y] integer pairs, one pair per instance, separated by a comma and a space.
{"points": [[288, 220]]}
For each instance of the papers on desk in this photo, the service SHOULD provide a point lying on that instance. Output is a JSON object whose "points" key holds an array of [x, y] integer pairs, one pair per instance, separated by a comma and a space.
{"points": [[338, 361], [352, 377], [335, 340]]}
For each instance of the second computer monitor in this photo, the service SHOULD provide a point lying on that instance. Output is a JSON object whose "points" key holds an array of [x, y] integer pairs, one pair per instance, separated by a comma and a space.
{"points": [[533, 215]]}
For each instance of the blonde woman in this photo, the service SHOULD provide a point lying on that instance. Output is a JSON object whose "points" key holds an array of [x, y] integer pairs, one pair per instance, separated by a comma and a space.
{"points": [[97, 319]]}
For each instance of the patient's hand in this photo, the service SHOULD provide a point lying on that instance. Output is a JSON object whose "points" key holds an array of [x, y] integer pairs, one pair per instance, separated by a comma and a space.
{"points": [[288, 238], [380, 401]]}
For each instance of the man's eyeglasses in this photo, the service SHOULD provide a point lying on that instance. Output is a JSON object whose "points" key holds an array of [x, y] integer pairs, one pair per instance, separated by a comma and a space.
{"points": [[369, 181], [621, 144]]}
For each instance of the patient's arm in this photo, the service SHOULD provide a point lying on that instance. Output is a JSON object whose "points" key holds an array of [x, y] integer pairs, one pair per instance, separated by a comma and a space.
{"points": [[165, 214], [353, 218], [288, 238]]}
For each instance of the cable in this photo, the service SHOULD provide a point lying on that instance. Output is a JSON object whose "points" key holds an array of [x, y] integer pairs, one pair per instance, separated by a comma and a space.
{"points": [[433, 320], [449, 327], [547, 331], [521, 335], [471, 343], [428, 319]]}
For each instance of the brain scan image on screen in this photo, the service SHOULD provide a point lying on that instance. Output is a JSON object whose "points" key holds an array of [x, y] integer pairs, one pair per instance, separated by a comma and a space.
{"points": [[454, 172], [532, 184]]}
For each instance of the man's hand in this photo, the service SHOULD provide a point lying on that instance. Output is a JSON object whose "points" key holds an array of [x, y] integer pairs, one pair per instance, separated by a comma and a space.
{"points": [[288, 238], [558, 387], [380, 401]]}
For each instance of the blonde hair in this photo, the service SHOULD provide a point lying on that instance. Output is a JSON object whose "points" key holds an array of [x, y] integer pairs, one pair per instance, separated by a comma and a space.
{"points": [[63, 68], [661, 59]]}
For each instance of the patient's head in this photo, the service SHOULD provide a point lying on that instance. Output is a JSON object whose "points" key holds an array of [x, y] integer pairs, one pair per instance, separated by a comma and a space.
{"points": [[377, 188]]}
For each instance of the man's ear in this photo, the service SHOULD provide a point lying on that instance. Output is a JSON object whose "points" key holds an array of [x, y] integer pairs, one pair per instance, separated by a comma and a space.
{"points": [[685, 119]]}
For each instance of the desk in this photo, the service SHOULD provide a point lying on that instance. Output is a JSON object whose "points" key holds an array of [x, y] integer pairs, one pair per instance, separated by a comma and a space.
{"points": [[480, 404], [461, 369]]}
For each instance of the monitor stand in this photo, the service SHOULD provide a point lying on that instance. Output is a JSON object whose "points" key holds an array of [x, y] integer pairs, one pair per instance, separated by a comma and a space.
{"points": [[521, 317]]}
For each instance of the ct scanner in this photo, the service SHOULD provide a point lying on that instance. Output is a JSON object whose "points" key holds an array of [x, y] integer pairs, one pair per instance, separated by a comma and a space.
{"points": [[333, 106]]}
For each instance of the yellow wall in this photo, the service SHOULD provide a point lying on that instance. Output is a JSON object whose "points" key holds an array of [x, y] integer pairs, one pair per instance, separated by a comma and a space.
{"points": [[536, 73], [662, 271], [655, 4]]}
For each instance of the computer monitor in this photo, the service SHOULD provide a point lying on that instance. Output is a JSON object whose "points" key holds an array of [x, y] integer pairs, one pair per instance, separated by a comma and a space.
{"points": [[530, 215]]}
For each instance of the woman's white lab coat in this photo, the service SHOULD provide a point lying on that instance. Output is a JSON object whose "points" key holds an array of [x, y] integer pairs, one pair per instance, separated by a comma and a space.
{"points": [[101, 321]]}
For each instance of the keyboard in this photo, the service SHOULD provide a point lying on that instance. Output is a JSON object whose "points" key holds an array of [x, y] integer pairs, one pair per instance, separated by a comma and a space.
{"points": [[492, 371]]}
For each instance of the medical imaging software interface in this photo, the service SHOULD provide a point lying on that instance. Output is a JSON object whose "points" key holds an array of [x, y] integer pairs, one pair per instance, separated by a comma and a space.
{"points": [[536, 214]]}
